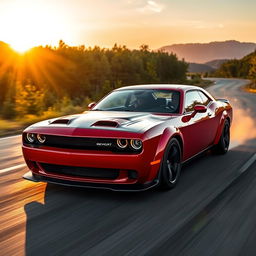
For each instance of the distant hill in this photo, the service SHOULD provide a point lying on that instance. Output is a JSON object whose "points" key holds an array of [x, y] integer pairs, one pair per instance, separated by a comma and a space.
{"points": [[208, 66], [201, 53], [215, 64], [199, 68], [243, 68]]}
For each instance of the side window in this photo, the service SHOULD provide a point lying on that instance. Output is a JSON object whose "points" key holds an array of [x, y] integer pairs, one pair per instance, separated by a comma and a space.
{"points": [[204, 98], [192, 98]]}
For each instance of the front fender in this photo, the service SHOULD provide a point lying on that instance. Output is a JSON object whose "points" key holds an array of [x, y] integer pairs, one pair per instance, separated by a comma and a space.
{"points": [[166, 136]]}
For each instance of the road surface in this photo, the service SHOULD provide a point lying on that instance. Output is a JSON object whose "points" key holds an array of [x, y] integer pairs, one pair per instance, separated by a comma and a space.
{"points": [[212, 211]]}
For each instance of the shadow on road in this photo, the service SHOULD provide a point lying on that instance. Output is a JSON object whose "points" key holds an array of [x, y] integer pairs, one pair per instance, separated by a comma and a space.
{"points": [[73, 218]]}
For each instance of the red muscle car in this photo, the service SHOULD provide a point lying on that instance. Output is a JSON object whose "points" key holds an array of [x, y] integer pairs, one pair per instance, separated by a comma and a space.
{"points": [[135, 138]]}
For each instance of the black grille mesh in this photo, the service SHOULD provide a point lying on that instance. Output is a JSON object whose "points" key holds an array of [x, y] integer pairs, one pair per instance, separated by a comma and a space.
{"points": [[80, 143]]}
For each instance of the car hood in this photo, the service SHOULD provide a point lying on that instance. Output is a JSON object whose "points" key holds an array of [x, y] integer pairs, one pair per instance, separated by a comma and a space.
{"points": [[108, 120]]}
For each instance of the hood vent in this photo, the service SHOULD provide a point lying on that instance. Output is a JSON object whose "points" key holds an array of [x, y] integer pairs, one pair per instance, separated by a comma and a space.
{"points": [[106, 123], [62, 121]]}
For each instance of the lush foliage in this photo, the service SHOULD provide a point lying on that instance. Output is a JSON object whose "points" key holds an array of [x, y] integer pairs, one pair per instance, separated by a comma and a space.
{"points": [[59, 80], [243, 68]]}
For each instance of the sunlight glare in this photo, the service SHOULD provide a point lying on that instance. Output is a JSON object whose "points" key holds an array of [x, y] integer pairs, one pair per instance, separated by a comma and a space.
{"points": [[32, 23]]}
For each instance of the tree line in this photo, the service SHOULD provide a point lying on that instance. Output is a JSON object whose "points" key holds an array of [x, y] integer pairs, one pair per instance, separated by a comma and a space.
{"points": [[242, 68], [66, 78]]}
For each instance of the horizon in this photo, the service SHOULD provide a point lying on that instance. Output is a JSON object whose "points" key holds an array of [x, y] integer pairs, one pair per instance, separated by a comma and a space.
{"points": [[110, 47], [127, 22]]}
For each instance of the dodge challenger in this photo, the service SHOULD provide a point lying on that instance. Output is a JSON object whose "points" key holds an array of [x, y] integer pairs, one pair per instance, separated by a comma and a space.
{"points": [[135, 138]]}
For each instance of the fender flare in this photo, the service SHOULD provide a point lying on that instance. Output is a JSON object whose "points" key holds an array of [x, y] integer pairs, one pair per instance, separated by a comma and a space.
{"points": [[220, 127], [166, 136]]}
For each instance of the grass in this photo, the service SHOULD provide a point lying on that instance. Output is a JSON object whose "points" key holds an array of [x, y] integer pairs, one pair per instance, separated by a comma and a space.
{"points": [[251, 87], [200, 82], [16, 126]]}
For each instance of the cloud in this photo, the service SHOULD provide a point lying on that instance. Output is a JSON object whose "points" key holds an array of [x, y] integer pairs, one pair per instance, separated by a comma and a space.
{"points": [[198, 24], [151, 7], [207, 25]]}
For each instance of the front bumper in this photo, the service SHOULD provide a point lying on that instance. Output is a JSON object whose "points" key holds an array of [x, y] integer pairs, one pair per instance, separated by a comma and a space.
{"points": [[141, 163]]}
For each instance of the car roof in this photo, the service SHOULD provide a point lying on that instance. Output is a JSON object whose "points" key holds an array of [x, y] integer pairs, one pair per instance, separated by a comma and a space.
{"points": [[159, 86]]}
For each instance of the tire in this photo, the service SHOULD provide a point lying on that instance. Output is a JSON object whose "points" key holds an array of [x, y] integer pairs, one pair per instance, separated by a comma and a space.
{"points": [[222, 147], [171, 165]]}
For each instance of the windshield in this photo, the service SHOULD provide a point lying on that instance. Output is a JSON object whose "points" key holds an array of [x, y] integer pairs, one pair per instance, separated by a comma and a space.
{"points": [[158, 101]]}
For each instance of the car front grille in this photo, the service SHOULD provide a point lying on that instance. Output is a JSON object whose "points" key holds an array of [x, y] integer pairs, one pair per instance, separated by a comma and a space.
{"points": [[80, 143], [84, 172]]}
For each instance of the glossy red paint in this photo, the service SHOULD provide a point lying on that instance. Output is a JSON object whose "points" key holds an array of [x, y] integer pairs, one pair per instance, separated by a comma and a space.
{"points": [[196, 131]]}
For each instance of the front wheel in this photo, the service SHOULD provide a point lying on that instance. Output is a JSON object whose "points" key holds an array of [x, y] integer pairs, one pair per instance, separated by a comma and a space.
{"points": [[171, 165]]}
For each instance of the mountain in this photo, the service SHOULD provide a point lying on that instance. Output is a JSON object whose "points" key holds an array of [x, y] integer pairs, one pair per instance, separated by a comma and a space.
{"points": [[201, 53], [199, 68], [208, 66], [215, 64]]}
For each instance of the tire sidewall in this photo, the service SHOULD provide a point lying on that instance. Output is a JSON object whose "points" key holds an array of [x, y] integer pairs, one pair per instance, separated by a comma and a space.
{"points": [[221, 145], [164, 182]]}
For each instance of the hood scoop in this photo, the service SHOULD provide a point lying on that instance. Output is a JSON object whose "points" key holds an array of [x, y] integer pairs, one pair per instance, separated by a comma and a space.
{"points": [[62, 121], [106, 123]]}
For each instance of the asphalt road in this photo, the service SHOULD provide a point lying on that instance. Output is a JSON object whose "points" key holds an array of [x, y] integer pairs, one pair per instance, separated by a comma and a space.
{"points": [[212, 211]]}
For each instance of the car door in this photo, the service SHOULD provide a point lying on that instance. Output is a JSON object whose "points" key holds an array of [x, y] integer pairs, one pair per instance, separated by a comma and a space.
{"points": [[195, 129], [213, 120]]}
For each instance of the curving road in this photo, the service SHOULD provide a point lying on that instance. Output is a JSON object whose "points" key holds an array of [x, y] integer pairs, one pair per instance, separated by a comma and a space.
{"points": [[212, 211]]}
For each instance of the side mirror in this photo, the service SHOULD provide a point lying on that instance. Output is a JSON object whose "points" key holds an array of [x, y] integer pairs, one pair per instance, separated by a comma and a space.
{"points": [[91, 105], [197, 109], [200, 108]]}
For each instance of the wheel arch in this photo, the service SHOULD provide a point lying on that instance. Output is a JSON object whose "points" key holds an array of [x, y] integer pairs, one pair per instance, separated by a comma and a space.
{"points": [[168, 134], [180, 140], [224, 117]]}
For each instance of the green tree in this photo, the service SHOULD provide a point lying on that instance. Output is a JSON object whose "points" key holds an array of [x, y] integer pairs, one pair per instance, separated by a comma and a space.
{"points": [[28, 100]]}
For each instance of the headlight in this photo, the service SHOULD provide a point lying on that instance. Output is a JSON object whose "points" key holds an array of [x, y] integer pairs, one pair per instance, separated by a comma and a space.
{"points": [[122, 143], [136, 144], [41, 138], [31, 137]]}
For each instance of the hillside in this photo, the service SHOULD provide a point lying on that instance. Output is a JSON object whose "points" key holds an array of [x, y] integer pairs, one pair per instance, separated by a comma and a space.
{"points": [[199, 68], [215, 64], [243, 68], [201, 53]]}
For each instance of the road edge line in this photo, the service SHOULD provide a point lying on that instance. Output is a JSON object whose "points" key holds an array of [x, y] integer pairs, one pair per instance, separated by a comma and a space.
{"points": [[12, 168], [9, 137]]}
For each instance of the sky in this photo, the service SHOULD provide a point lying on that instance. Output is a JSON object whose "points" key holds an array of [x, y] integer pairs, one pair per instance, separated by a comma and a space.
{"points": [[28, 23]]}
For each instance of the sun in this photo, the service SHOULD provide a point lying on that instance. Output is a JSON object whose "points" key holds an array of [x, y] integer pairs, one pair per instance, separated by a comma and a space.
{"points": [[32, 23], [21, 47]]}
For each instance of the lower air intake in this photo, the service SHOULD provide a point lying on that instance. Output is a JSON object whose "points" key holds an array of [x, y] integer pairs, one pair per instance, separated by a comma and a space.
{"points": [[84, 172]]}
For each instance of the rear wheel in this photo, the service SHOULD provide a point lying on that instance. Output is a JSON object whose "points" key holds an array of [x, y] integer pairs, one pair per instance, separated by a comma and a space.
{"points": [[171, 165], [223, 144]]}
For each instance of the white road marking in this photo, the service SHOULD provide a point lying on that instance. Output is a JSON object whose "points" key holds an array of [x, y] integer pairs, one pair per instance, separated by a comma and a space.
{"points": [[9, 137], [248, 164], [12, 168]]}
